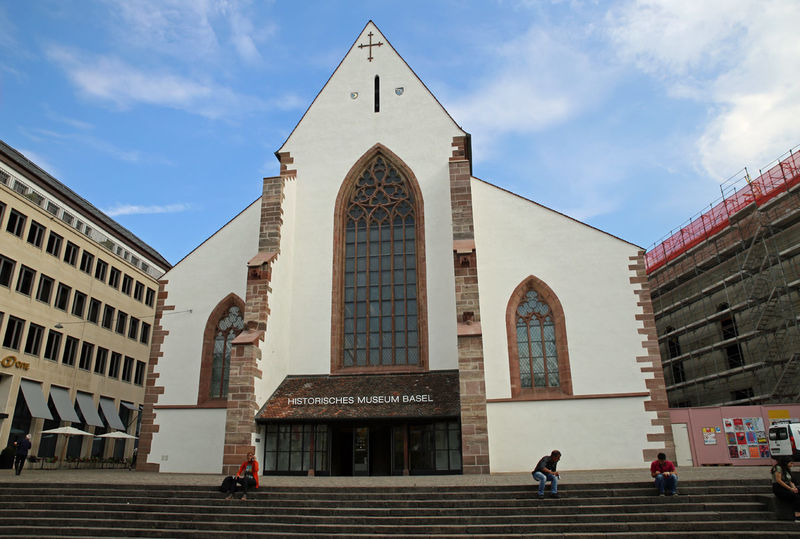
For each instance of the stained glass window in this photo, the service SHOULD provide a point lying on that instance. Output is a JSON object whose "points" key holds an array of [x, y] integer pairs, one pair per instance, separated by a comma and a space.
{"points": [[536, 343], [227, 329], [380, 311]]}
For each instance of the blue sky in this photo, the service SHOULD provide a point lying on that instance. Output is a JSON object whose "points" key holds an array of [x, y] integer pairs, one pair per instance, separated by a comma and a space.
{"points": [[626, 115]]}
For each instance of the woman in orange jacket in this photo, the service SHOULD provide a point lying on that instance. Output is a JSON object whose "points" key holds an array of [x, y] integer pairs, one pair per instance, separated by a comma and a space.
{"points": [[247, 476]]}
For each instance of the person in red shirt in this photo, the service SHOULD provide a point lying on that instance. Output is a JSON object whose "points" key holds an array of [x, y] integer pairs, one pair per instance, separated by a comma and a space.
{"points": [[247, 476], [664, 473]]}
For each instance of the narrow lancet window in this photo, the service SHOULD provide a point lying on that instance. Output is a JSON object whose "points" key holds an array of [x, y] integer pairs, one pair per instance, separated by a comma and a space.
{"points": [[377, 93]]}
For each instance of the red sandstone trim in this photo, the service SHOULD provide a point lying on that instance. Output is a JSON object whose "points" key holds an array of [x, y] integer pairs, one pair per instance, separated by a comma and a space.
{"points": [[151, 390], [651, 362]]}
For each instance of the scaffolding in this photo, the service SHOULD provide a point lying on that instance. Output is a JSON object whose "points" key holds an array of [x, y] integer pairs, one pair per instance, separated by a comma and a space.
{"points": [[726, 295]]}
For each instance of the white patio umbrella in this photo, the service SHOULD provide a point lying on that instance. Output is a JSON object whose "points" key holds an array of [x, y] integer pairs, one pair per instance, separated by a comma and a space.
{"points": [[69, 431], [117, 434]]}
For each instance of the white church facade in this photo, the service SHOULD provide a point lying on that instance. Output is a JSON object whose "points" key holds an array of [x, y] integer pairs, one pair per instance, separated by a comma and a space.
{"points": [[379, 310]]}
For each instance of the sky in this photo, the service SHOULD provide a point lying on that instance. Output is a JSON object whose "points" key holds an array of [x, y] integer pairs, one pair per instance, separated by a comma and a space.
{"points": [[631, 116]]}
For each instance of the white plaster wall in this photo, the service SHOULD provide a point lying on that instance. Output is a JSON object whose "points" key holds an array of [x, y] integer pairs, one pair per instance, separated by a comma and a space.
{"points": [[276, 350], [588, 271], [198, 282], [194, 443], [591, 434], [335, 132]]}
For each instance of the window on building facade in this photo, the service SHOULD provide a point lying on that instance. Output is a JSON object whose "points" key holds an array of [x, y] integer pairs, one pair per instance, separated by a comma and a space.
{"points": [[62, 296], [127, 369], [13, 336], [45, 290], [53, 345], [379, 271], [36, 234], [71, 253], [87, 352], [144, 336], [114, 364], [78, 304], [133, 328], [87, 261], [25, 280], [127, 283], [122, 321], [6, 271], [138, 291], [138, 377], [70, 351], [114, 277], [100, 360], [108, 316], [673, 351], [33, 343], [742, 394], [16, 223], [733, 351], [100, 270], [150, 297], [54, 242], [227, 328], [93, 314], [538, 357]]}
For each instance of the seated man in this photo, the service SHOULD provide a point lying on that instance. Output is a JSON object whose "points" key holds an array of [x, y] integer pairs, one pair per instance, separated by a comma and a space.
{"points": [[664, 473], [546, 471]]}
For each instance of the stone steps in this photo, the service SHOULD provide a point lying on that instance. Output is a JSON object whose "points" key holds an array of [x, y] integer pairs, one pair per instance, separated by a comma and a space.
{"points": [[729, 508]]}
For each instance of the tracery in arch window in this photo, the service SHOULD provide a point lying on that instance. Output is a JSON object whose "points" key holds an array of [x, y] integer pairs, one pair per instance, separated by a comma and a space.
{"points": [[228, 327], [380, 310], [536, 343]]}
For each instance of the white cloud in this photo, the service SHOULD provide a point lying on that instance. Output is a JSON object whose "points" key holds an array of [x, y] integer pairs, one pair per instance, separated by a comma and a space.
{"points": [[132, 209], [542, 79], [738, 58], [110, 79]]}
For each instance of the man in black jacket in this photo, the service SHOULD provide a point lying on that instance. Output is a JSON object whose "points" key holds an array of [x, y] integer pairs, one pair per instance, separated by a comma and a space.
{"points": [[546, 471], [22, 453]]}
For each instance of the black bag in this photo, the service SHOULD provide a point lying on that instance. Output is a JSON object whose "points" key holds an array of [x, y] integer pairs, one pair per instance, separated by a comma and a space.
{"points": [[228, 484]]}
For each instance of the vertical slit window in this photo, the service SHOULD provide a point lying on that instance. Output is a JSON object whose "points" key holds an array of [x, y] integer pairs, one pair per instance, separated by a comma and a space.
{"points": [[377, 93]]}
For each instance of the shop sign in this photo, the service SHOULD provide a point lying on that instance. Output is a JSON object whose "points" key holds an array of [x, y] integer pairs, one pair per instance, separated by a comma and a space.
{"points": [[11, 361], [347, 400]]}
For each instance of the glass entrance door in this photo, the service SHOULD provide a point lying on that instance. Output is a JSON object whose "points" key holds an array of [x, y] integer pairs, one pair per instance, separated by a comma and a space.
{"points": [[361, 451]]}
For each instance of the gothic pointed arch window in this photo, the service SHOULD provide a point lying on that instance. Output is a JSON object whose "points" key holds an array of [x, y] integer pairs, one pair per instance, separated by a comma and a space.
{"points": [[379, 317], [224, 323], [537, 343]]}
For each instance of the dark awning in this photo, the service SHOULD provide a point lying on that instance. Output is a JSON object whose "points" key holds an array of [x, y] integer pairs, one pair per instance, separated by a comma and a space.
{"points": [[64, 406], [110, 412], [88, 409], [34, 398], [364, 396]]}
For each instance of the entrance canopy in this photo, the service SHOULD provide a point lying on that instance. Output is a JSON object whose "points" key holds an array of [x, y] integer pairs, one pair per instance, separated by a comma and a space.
{"points": [[364, 396]]}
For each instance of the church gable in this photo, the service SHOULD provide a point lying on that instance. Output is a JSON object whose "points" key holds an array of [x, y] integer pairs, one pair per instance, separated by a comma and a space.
{"points": [[373, 92]]}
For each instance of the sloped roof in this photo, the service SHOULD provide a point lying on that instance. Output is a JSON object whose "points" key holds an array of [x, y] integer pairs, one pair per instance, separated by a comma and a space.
{"points": [[69, 196]]}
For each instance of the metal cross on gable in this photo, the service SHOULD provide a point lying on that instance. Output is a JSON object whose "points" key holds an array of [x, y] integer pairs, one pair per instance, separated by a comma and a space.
{"points": [[370, 45]]}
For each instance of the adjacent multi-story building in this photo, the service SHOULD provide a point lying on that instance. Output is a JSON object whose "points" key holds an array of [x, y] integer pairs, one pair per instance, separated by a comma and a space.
{"points": [[725, 291], [77, 304]]}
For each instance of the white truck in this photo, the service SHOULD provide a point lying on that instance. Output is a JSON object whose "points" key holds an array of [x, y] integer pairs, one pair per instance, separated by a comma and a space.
{"points": [[784, 440]]}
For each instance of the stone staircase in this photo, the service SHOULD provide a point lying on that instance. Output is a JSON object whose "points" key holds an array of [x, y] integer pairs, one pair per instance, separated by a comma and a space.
{"points": [[723, 508]]}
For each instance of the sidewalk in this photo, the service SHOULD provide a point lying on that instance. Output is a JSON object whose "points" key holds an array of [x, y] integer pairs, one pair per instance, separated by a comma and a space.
{"points": [[213, 480]]}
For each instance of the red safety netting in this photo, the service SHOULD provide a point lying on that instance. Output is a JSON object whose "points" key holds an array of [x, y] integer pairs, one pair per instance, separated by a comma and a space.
{"points": [[768, 185]]}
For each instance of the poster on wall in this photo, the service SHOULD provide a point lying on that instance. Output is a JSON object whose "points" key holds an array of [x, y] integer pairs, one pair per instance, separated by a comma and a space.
{"points": [[709, 436], [746, 437]]}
